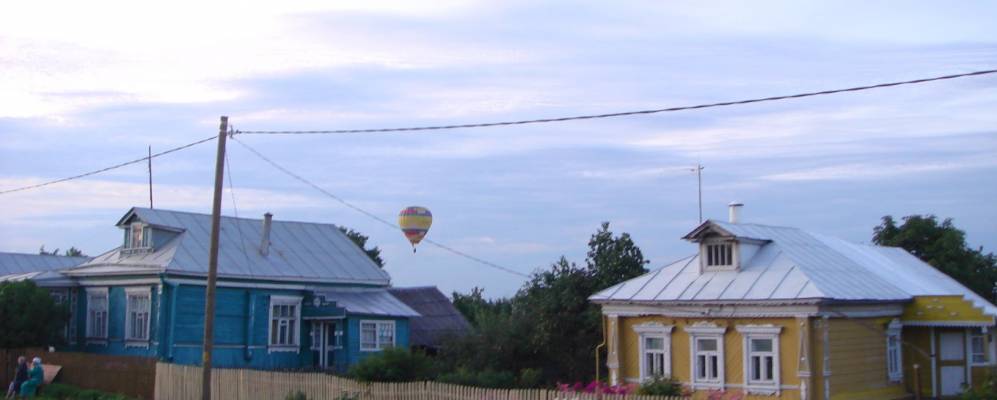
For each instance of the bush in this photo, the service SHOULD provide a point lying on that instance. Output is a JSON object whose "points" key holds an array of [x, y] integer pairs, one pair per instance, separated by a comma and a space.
{"points": [[661, 386], [986, 391], [296, 395], [394, 365], [488, 378]]}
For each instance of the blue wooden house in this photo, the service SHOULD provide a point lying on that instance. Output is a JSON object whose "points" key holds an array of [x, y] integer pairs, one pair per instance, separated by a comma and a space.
{"points": [[290, 294]]}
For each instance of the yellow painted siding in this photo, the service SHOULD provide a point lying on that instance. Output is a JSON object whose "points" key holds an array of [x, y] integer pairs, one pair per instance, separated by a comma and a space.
{"points": [[943, 308], [917, 350], [858, 360], [733, 351]]}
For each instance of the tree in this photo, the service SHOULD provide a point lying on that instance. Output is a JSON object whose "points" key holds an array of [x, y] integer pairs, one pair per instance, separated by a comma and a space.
{"points": [[361, 241], [72, 252], [944, 247], [549, 325], [31, 317], [613, 260]]}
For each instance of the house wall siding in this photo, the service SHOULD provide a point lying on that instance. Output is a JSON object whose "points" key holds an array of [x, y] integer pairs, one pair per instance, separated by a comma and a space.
{"points": [[733, 351], [858, 360]]}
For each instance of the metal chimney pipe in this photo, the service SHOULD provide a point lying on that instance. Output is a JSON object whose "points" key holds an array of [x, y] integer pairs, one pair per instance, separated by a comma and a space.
{"points": [[735, 212], [265, 240]]}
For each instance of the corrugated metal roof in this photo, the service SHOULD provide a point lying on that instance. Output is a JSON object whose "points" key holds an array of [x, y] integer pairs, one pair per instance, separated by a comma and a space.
{"points": [[299, 250], [439, 318], [367, 302], [793, 265], [20, 263]]}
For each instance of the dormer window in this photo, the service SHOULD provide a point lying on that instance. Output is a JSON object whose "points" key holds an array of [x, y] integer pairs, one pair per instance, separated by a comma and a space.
{"points": [[137, 236], [718, 254]]}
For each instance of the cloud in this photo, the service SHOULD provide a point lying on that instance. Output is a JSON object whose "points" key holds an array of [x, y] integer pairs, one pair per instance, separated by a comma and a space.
{"points": [[82, 196], [874, 171]]}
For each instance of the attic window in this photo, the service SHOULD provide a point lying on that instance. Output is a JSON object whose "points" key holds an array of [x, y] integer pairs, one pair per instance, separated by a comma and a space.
{"points": [[719, 254], [137, 236]]}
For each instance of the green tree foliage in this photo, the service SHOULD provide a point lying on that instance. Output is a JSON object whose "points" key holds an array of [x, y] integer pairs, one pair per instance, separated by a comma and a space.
{"points": [[394, 365], [944, 247], [549, 328], [31, 318], [361, 241], [72, 252]]}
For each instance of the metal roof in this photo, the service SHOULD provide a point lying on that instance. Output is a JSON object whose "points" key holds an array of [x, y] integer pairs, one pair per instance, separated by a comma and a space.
{"points": [[20, 263], [793, 265], [367, 302], [439, 318], [299, 251]]}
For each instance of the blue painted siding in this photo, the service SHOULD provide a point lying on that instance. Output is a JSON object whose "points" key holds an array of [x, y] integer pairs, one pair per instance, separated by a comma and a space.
{"points": [[241, 332]]}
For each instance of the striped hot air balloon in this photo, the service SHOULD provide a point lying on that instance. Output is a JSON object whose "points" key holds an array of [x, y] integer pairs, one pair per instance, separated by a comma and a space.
{"points": [[415, 222]]}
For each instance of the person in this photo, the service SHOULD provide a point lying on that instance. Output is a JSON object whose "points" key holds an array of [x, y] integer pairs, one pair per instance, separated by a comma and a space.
{"points": [[35, 377], [20, 375]]}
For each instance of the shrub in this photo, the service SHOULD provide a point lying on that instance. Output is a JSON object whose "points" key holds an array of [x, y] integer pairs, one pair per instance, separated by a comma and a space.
{"points": [[986, 391], [59, 391], [662, 386], [530, 377], [296, 395], [394, 365]]}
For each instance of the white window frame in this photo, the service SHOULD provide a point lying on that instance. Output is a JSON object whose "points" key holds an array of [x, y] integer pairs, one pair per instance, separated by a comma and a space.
{"points": [[706, 331], [146, 236], [988, 346], [761, 332], [92, 293], [138, 292], [378, 345], [894, 351], [295, 345], [706, 247], [656, 331], [63, 297]]}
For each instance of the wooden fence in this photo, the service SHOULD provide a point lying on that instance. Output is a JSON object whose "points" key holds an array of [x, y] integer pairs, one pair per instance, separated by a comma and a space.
{"points": [[131, 376], [182, 382]]}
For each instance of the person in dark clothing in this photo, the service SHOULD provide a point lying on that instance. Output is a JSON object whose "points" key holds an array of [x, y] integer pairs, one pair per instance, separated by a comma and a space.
{"points": [[20, 376]]}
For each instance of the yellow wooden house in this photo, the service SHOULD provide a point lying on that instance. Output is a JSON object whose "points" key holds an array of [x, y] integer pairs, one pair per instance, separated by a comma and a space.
{"points": [[776, 312]]}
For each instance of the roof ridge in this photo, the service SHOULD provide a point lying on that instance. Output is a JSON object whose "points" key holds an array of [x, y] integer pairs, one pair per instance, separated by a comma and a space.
{"points": [[275, 221]]}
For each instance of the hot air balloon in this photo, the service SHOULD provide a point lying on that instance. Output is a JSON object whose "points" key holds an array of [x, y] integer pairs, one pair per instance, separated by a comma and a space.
{"points": [[415, 222]]}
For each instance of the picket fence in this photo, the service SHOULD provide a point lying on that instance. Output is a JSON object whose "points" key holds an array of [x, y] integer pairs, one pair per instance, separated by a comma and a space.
{"points": [[182, 382]]}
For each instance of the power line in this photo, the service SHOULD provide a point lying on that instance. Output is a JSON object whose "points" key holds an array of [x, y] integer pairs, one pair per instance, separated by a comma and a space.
{"points": [[116, 166], [621, 114], [371, 215]]}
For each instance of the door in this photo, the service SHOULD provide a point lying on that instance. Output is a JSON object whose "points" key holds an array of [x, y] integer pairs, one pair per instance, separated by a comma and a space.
{"points": [[952, 362]]}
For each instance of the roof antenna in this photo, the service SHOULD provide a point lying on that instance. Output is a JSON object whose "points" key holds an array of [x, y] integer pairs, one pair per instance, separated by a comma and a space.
{"points": [[698, 169], [150, 176]]}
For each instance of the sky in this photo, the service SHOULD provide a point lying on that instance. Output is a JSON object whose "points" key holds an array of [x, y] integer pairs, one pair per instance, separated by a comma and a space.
{"points": [[86, 85]]}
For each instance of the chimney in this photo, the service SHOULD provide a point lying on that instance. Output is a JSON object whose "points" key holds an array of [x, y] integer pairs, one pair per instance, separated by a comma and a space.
{"points": [[735, 211], [265, 240]]}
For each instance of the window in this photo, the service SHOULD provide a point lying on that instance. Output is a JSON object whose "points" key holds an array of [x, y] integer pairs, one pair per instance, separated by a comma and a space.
{"points": [[719, 255], [979, 347], [894, 367], [285, 317], [655, 350], [376, 335], [97, 313], [761, 357], [137, 236], [137, 310], [707, 360], [707, 351], [61, 297]]}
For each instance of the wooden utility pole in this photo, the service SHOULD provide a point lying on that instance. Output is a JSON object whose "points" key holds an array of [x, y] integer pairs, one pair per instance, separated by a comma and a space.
{"points": [[209, 292]]}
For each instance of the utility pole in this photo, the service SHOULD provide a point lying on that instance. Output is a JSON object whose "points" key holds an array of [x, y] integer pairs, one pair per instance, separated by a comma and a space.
{"points": [[699, 179], [209, 292], [150, 177]]}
